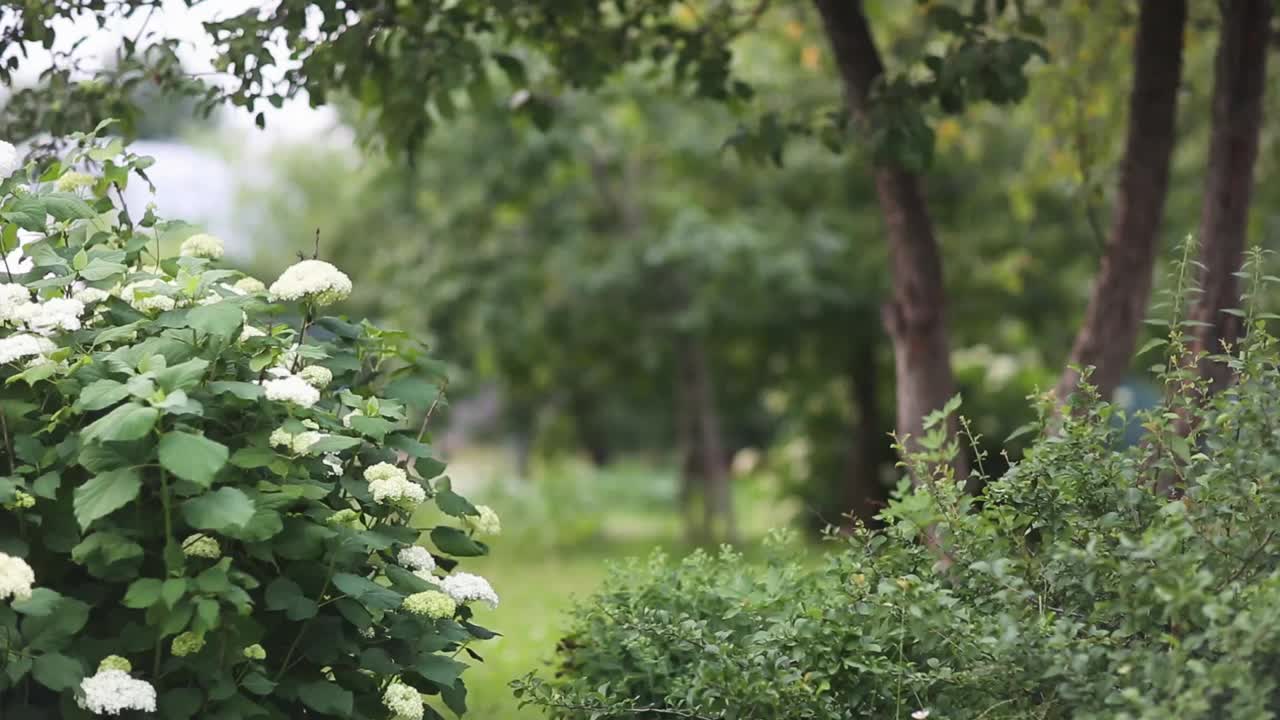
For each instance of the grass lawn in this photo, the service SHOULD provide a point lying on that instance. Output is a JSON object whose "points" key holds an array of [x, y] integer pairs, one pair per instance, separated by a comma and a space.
{"points": [[560, 532]]}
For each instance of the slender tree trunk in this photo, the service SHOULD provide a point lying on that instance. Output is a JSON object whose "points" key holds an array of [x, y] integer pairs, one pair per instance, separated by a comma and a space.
{"points": [[1239, 78], [863, 495], [915, 316], [718, 500], [1118, 305], [590, 433], [692, 479]]}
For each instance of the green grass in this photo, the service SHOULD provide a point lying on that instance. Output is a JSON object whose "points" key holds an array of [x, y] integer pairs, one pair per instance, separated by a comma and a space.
{"points": [[560, 531]]}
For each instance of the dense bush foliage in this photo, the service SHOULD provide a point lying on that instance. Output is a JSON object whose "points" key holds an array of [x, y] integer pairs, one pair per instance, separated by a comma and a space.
{"points": [[1093, 579], [209, 488]]}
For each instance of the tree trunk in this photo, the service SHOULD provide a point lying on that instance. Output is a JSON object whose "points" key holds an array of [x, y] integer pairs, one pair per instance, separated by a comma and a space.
{"points": [[1239, 74], [717, 498], [1118, 305], [692, 481], [863, 495], [915, 316], [591, 434]]}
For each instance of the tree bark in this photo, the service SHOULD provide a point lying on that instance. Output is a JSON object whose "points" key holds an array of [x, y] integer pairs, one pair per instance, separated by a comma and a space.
{"points": [[1239, 75], [591, 434], [863, 495], [718, 498], [692, 481], [915, 316], [1118, 304]]}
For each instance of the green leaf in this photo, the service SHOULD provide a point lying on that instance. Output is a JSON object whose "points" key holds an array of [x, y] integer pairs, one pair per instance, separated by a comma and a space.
{"points": [[65, 206], [105, 493], [451, 503], [27, 213], [253, 457], [227, 508], [429, 467], [284, 595], [242, 390], [182, 375], [51, 631], [192, 457], [101, 394], [333, 443], [452, 541], [127, 422], [99, 269], [439, 669], [221, 319], [143, 593], [41, 602], [368, 592], [57, 671], [180, 703], [327, 698], [172, 591], [258, 684]]}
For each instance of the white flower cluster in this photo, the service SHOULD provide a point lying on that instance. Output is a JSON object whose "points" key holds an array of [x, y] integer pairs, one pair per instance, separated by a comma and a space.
{"points": [[249, 331], [9, 160], [12, 297], [334, 463], [73, 181], [89, 295], [203, 246], [390, 484], [297, 443], [317, 376], [17, 347], [111, 692], [145, 296], [464, 587], [250, 286], [16, 578], [403, 701], [51, 316], [314, 280], [291, 389], [487, 523], [416, 557]]}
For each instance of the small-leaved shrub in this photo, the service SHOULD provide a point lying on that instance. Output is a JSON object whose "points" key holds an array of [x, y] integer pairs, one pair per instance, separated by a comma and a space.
{"points": [[1092, 580], [206, 484]]}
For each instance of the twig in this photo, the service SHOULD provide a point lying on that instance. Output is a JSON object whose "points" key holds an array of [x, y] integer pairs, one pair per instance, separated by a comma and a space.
{"points": [[439, 394], [8, 447]]}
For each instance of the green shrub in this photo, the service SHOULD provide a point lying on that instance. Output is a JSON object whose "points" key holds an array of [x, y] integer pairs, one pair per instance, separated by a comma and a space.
{"points": [[1091, 580], [207, 484]]}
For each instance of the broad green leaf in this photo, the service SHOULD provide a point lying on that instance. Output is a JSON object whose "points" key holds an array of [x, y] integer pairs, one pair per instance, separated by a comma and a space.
{"points": [[182, 375], [127, 422], [105, 493], [228, 507], [192, 457], [143, 593], [42, 602], [440, 670], [368, 592], [221, 319], [27, 213], [101, 394], [242, 390], [327, 698], [333, 443], [452, 541], [99, 269], [57, 671], [253, 457], [65, 206]]}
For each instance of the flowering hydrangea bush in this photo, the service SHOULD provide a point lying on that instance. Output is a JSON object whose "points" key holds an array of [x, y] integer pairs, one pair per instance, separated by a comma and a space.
{"points": [[211, 495]]}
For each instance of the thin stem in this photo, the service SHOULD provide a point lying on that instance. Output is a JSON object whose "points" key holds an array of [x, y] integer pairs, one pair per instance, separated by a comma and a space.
{"points": [[302, 335], [284, 665], [427, 418], [5, 257], [8, 447]]}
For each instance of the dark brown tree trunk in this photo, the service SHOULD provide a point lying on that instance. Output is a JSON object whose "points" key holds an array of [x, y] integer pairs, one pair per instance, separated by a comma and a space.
{"points": [[692, 480], [1239, 75], [864, 495], [718, 514], [590, 433], [915, 316], [1118, 305]]}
